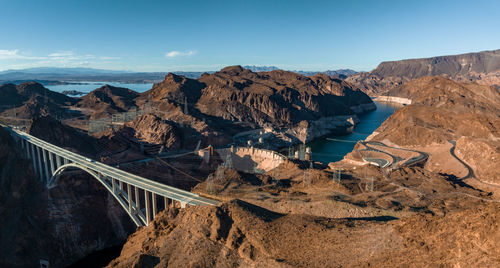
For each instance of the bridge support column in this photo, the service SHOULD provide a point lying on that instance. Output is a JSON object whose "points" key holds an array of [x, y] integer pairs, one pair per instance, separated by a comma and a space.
{"points": [[51, 161], [25, 148], [58, 161], [153, 197], [148, 209], [113, 185], [137, 199], [33, 157], [28, 150], [129, 193], [46, 164], [40, 168]]}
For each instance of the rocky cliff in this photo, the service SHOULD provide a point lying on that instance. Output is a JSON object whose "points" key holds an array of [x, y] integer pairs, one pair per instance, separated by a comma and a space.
{"points": [[60, 225], [31, 99], [444, 110], [236, 99], [276, 98], [482, 67], [239, 234], [108, 100]]}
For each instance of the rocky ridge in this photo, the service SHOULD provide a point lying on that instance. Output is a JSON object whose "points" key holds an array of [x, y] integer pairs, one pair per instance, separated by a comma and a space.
{"points": [[444, 110], [240, 234], [481, 67]]}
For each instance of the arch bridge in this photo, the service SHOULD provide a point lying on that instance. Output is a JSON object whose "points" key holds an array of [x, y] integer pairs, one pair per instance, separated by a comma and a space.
{"points": [[141, 198]]}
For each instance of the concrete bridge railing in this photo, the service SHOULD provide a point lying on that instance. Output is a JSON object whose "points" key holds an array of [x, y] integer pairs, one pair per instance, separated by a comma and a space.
{"points": [[141, 198]]}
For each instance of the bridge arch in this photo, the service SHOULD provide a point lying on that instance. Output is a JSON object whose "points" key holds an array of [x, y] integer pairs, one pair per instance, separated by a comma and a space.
{"points": [[55, 177]]}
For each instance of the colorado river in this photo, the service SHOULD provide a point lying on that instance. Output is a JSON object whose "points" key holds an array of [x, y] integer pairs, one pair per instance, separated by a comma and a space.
{"points": [[325, 150]]}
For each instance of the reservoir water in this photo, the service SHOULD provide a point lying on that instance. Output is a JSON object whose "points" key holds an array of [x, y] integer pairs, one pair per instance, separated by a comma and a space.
{"points": [[89, 86], [326, 151]]}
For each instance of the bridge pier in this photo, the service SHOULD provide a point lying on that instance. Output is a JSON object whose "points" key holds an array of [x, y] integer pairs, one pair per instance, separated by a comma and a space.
{"points": [[113, 185], [46, 164], [58, 161], [39, 158], [51, 160], [129, 195], [22, 143], [148, 212], [137, 199], [153, 198], [33, 157]]}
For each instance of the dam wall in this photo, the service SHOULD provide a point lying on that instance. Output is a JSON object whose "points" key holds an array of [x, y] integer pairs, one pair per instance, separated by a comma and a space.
{"points": [[399, 100], [250, 159]]}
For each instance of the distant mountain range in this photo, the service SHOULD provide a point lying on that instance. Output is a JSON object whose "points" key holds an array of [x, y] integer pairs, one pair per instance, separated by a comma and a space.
{"points": [[54, 75], [340, 72]]}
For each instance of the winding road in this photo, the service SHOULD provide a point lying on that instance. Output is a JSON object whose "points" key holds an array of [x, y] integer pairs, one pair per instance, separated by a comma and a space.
{"points": [[470, 173], [395, 159]]}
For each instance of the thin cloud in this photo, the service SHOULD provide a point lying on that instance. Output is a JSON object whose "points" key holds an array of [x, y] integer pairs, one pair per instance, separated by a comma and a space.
{"points": [[173, 54], [109, 58], [62, 54], [57, 58], [14, 54]]}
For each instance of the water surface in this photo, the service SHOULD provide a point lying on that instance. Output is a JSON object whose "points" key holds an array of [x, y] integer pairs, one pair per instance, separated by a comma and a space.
{"points": [[325, 151], [86, 87]]}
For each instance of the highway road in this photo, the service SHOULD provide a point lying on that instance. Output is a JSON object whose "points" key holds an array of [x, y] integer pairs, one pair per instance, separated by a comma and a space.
{"points": [[416, 159], [470, 172]]}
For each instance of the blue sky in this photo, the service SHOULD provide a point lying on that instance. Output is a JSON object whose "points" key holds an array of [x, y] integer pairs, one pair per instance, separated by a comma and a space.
{"points": [[207, 35]]}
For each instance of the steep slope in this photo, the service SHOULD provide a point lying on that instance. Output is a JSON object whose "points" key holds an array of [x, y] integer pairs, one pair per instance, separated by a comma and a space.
{"points": [[441, 92], [32, 99], [444, 110], [175, 88], [482, 67], [60, 225], [236, 99], [53, 131], [279, 98], [241, 234], [152, 130], [108, 100]]}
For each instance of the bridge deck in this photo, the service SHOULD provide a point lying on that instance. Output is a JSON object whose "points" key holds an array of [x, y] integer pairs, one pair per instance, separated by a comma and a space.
{"points": [[134, 180]]}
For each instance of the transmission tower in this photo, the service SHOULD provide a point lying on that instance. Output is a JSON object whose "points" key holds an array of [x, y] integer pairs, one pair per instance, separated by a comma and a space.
{"points": [[336, 176], [229, 161], [210, 184], [219, 174], [307, 178], [302, 152], [198, 146], [369, 184], [186, 105]]}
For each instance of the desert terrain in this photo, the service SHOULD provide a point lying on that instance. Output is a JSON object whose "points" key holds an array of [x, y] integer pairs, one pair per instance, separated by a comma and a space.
{"points": [[424, 184]]}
